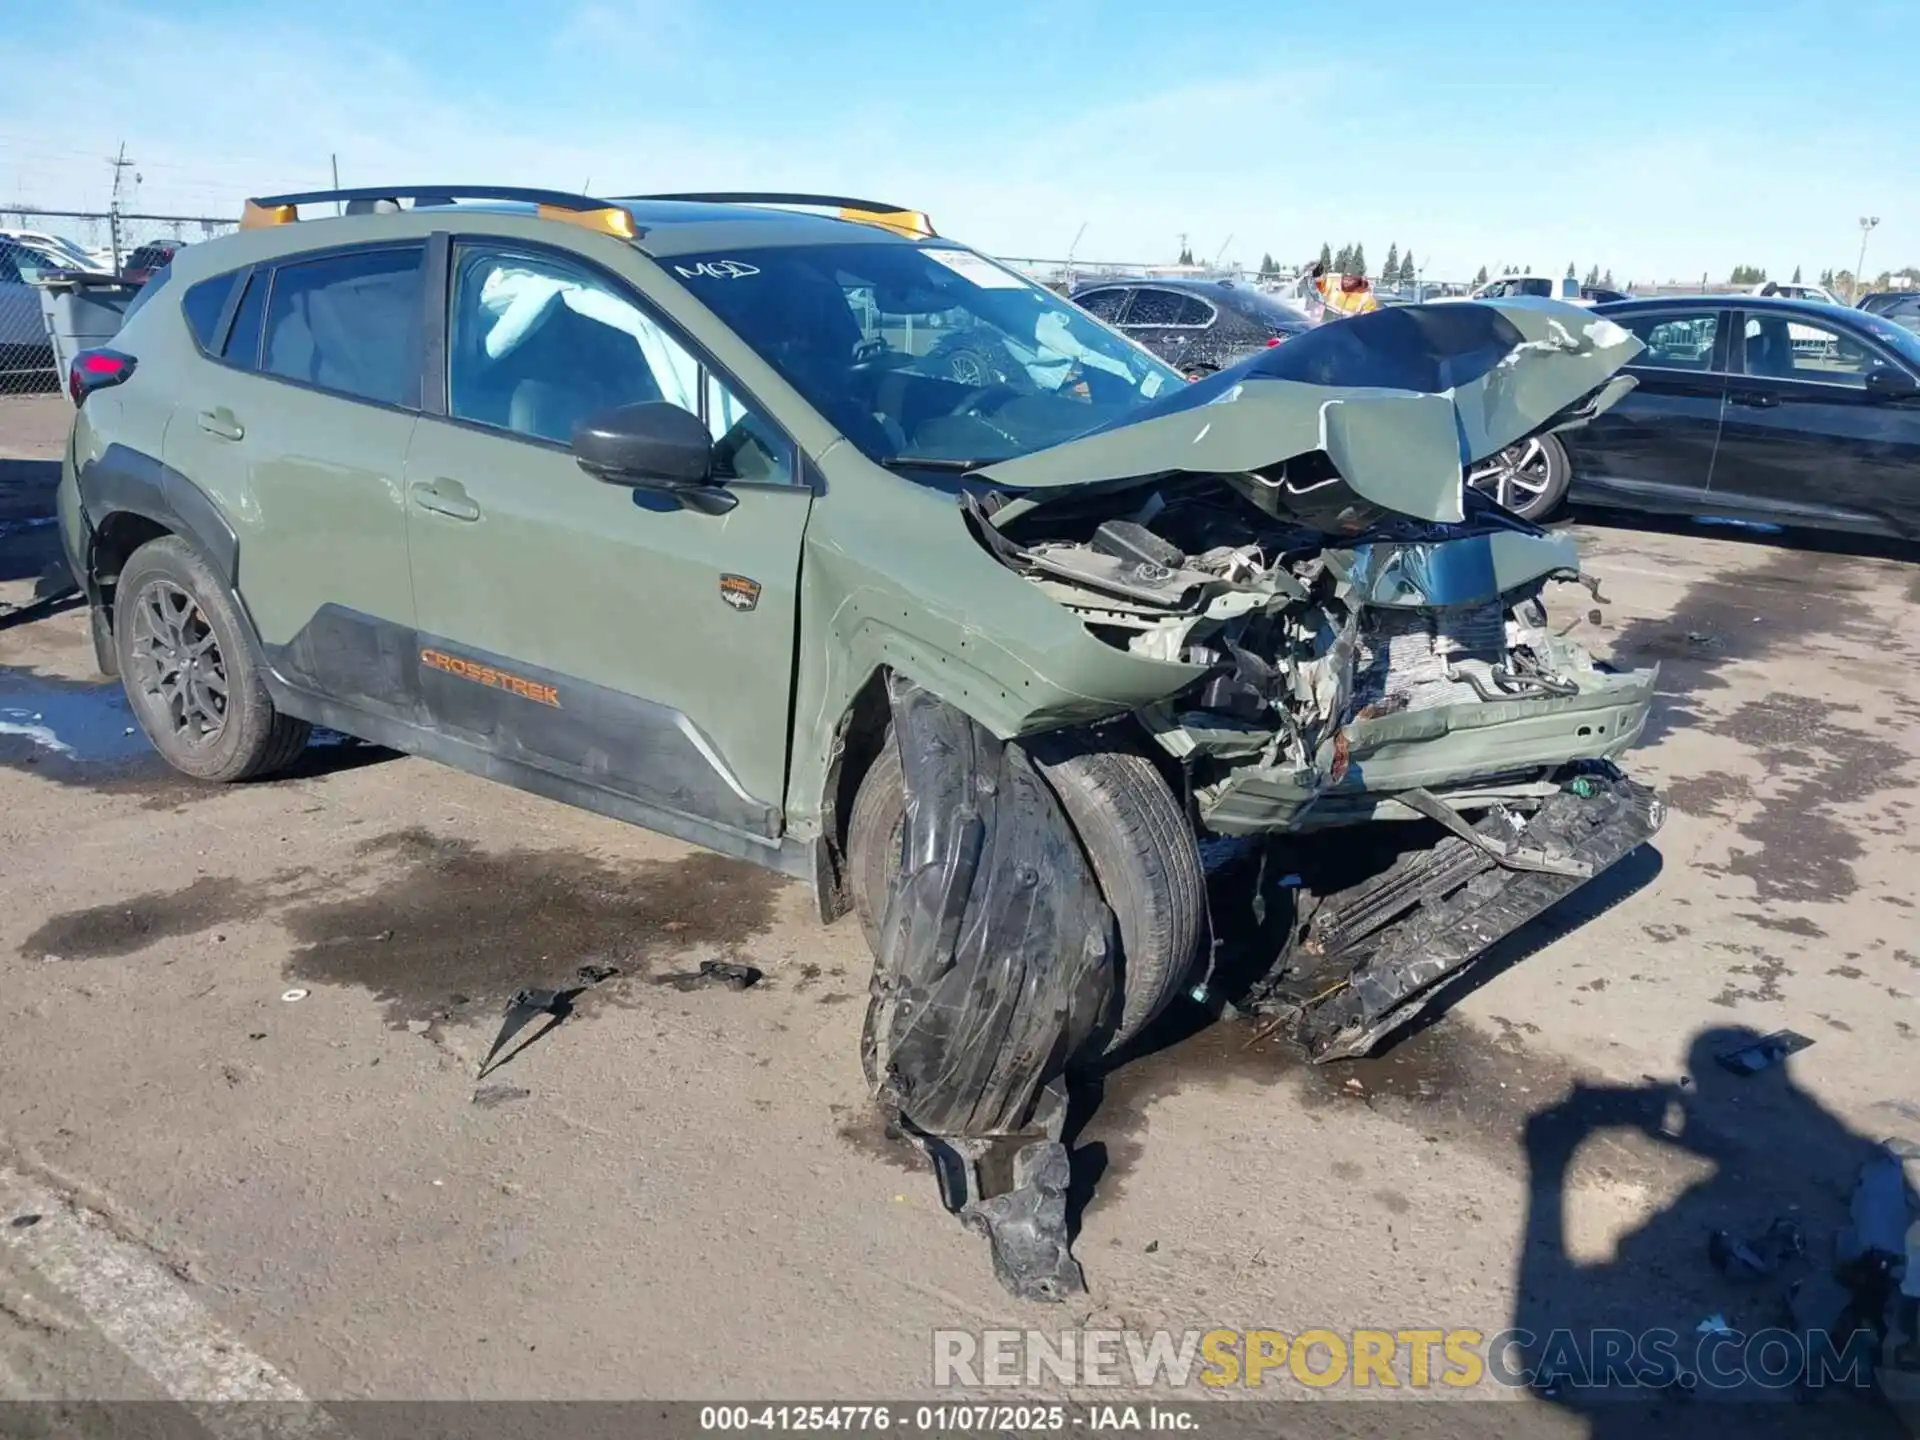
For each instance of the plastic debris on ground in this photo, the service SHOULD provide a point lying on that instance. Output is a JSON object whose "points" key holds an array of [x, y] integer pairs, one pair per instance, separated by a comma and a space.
{"points": [[997, 969], [527, 1005], [1761, 1257]]}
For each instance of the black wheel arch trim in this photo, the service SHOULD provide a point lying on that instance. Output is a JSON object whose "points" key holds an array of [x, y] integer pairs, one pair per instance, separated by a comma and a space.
{"points": [[123, 480]]}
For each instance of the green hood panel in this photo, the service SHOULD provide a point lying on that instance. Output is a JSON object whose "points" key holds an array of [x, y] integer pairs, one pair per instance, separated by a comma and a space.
{"points": [[1400, 401]]}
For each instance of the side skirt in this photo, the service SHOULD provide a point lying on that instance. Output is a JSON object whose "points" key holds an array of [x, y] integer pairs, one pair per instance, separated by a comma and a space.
{"points": [[787, 856]]}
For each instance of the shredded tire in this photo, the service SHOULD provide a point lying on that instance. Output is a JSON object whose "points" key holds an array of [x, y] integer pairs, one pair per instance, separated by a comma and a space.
{"points": [[1135, 836]]}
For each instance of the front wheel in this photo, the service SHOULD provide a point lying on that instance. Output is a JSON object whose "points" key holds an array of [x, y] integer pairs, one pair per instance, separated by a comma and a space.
{"points": [[1530, 478], [1136, 839]]}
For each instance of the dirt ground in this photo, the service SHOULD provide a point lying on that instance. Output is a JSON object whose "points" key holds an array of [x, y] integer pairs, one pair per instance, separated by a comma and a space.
{"points": [[241, 1028]]}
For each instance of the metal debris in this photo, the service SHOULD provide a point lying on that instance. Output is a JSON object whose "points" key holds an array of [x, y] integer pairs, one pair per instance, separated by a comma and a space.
{"points": [[1758, 1055]]}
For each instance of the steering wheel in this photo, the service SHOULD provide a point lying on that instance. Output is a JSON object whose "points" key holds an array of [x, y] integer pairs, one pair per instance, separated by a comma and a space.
{"points": [[971, 403]]}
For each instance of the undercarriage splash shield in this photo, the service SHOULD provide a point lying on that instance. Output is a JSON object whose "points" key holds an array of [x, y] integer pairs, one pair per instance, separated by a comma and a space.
{"points": [[997, 968], [1372, 956]]}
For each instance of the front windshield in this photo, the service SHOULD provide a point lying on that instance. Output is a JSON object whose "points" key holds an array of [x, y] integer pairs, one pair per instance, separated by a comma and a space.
{"points": [[926, 353]]}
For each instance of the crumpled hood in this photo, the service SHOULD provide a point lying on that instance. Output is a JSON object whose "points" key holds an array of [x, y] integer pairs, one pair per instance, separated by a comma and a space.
{"points": [[1401, 400]]}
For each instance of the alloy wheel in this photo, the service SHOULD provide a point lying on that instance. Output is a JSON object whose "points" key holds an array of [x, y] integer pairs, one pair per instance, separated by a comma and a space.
{"points": [[178, 663], [1517, 478]]}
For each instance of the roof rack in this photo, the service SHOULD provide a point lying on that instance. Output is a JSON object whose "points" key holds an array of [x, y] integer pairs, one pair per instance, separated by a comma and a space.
{"points": [[913, 224], [606, 216]]}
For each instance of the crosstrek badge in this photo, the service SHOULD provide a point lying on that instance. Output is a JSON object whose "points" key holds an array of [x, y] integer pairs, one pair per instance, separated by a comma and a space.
{"points": [[740, 592], [490, 676]]}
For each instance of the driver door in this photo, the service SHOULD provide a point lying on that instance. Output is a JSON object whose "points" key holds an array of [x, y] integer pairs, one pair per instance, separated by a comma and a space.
{"points": [[591, 630]]}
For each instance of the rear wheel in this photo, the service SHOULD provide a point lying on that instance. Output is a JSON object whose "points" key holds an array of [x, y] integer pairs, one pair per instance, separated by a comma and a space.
{"points": [[1136, 839], [1530, 478], [190, 674]]}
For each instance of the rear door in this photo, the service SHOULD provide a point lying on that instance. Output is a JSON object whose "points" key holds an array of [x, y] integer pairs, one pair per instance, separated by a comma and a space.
{"points": [[296, 420], [1804, 440], [586, 629], [1655, 448]]}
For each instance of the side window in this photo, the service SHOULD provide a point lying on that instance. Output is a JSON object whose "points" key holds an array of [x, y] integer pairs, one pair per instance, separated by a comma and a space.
{"points": [[1794, 349], [1675, 341], [202, 304], [243, 340], [348, 323], [1103, 304], [9, 271], [1157, 307], [538, 344]]}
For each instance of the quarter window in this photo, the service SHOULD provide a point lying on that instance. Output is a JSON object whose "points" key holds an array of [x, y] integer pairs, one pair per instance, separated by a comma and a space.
{"points": [[538, 344], [348, 323], [202, 304], [242, 346], [1676, 341]]}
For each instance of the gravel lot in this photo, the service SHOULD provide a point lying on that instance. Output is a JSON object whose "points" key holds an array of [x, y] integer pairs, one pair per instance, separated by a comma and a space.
{"points": [[681, 1190]]}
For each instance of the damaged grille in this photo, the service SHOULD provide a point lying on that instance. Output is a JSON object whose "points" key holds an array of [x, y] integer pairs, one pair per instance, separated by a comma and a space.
{"points": [[1404, 656]]}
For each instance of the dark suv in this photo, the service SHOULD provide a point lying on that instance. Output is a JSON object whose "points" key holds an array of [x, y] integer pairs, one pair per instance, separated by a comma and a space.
{"points": [[1196, 326]]}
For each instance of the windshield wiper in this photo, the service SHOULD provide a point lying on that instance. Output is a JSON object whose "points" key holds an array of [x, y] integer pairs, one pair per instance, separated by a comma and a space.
{"points": [[930, 462]]}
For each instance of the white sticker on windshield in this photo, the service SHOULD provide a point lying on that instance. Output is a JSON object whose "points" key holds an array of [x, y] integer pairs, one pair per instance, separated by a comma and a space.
{"points": [[977, 268], [718, 270]]}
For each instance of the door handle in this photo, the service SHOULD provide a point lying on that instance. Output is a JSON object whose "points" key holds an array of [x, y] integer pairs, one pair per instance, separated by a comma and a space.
{"points": [[445, 497], [1754, 399], [220, 422]]}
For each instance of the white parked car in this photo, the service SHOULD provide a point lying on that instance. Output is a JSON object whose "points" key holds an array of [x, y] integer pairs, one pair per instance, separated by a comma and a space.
{"points": [[64, 253], [1794, 290], [1545, 287], [23, 330]]}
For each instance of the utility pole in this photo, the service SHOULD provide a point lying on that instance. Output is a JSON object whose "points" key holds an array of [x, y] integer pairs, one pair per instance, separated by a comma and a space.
{"points": [[1867, 222], [1070, 249], [121, 164], [334, 160]]}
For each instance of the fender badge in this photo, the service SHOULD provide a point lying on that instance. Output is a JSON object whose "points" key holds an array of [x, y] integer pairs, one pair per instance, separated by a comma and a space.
{"points": [[740, 592]]}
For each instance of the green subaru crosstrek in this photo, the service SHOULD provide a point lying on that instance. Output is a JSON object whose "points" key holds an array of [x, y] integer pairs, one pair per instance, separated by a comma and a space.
{"points": [[638, 503]]}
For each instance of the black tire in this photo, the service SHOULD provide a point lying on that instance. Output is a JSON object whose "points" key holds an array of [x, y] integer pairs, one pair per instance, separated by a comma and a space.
{"points": [[1543, 474], [241, 737], [1135, 836]]}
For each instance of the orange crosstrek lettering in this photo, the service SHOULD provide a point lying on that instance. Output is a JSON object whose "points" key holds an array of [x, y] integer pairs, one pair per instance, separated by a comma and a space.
{"points": [[487, 675]]}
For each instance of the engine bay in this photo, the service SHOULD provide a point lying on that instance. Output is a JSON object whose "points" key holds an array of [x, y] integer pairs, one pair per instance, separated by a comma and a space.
{"points": [[1349, 652]]}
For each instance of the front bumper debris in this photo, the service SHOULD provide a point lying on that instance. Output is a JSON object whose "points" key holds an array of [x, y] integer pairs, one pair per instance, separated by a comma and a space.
{"points": [[1368, 957]]}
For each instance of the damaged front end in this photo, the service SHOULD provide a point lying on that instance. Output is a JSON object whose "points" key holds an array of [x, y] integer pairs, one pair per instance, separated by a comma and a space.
{"points": [[1374, 639]]}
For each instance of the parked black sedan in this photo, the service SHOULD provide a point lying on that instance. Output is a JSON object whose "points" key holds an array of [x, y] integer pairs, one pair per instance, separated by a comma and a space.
{"points": [[1785, 412], [1196, 326]]}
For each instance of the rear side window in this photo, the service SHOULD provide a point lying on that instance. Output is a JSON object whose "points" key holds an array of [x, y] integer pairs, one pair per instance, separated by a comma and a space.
{"points": [[202, 304], [349, 323], [1168, 307], [243, 340], [1104, 304]]}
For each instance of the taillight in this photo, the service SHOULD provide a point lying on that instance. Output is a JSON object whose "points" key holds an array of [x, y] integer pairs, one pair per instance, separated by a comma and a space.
{"points": [[1273, 340], [96, 370]]}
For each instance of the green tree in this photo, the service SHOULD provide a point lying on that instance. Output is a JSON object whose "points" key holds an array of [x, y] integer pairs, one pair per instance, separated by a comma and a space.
{"points": [[1186, 255], [1481, 278], [1409, 273], [1607, 281], [1573, 272], [1359, 260], [1326, 256], [1343, 260], [1390, 272], [1593, 276], [1796, 276]]}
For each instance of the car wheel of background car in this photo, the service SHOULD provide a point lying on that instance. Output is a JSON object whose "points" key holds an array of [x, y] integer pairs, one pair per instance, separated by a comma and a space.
{"points": [[1530, 478], [190, 673], [1200, 372], [1135, 836], [985, 365]]}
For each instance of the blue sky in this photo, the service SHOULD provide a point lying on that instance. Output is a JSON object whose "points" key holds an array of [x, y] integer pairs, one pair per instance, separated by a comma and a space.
{"points": [[1661, 140]]}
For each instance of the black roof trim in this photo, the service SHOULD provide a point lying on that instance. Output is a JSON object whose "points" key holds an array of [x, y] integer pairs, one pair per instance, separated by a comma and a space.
{"points": [[444, 195]]}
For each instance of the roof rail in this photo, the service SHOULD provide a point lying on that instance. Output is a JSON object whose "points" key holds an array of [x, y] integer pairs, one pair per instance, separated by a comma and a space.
{"points": [[584, 210], [913, 224]]}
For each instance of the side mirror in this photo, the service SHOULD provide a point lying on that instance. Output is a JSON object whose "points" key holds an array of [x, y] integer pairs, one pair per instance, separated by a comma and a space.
{"points": [[1886, 383], [656, 447]]}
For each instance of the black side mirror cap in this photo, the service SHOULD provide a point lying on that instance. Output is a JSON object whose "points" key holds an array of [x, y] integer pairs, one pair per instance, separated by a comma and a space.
{"points": [[1890, 384], [656, 447]]}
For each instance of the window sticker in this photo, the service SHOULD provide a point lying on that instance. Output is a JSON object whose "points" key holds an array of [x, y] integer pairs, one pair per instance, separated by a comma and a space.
{"points": [[977, 268]]}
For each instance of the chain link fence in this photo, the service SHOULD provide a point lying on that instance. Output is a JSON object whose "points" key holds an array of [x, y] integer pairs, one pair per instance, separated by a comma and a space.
{"points": [[37, 245]]}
